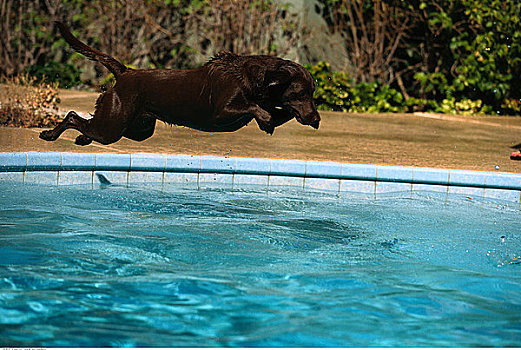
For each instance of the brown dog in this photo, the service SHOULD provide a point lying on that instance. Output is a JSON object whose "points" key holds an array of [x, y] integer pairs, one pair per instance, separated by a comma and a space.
{"points": [[223, 95]]}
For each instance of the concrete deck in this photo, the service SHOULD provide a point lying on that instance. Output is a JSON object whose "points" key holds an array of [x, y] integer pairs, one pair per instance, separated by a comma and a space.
{"points": [[425, 140]]}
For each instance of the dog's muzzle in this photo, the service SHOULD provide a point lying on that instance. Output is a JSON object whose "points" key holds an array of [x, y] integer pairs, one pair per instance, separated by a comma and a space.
{"points": [[315, 122], [312, 120]]}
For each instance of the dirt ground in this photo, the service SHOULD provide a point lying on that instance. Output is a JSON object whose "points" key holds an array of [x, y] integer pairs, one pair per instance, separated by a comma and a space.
{"points": [[420, 140]]}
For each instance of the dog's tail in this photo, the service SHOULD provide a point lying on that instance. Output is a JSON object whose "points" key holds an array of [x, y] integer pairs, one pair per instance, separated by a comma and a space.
{"points": [[117, 68]]}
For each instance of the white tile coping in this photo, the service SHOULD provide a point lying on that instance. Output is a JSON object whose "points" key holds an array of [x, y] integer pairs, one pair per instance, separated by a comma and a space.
{"points": [[56, 167]]}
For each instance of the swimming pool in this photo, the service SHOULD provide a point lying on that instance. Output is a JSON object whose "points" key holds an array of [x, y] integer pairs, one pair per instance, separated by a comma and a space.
{"points": [[195, 259]]}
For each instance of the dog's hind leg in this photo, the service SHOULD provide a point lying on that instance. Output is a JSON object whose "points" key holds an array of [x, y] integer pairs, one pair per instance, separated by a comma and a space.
{"points": [[106, 126], [71, 121]]}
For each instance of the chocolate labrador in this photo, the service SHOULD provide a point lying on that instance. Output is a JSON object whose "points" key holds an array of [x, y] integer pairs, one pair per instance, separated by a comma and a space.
{"points": [[224, 95]]}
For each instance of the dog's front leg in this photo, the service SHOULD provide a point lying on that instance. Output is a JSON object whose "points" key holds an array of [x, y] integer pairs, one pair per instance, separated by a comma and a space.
{"points": [[264, 119]]}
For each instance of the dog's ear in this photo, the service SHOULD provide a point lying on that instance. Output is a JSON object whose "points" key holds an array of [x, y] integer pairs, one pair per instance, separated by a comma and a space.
{"points": [[276, 81], [276, 77], [265, 79]]}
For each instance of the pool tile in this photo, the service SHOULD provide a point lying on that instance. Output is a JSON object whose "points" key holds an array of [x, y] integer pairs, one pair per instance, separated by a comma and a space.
{"points": [[12, 176], [430, 188], [183, 163], [75, 177], [394, 174], [189, 179], [430, 176], [245, 181], [212, 164], [507, 195], [467, 191], [13, 161], [78, 161], [359, 186], [113, 162], [503, 180], [287, 167], [359, 171], [44, 161], [467, 178], [387, 187], [208, 180], [114, 177], [41, 177], [323, 169], [332, 185], [147, 162], [252, 166], [276, 180], [145, 177]]}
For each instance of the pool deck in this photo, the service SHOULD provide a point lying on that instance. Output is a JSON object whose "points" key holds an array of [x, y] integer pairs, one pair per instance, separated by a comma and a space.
{"points": [[417, 140]]}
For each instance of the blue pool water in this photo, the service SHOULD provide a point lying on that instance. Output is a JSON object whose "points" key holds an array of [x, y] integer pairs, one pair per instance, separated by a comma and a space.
{"points": [[142, 266]]}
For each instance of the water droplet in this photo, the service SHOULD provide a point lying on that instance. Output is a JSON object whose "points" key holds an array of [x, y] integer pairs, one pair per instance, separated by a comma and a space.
{"points": [[496, 167]]}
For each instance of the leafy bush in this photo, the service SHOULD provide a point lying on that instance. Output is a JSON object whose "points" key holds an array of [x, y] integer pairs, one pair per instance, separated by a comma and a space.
{"points": [[463, 107], [376, 98], [332, 89], [64, 74], [335, 92], [454, 56], [27, 103], [476, 55]]}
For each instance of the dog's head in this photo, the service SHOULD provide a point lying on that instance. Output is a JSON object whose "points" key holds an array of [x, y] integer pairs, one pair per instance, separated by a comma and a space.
{"points": [[284, 89], [290, 88]]}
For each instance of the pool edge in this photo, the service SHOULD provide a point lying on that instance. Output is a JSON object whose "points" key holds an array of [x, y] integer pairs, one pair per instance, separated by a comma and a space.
{"points": [[64, 168]]}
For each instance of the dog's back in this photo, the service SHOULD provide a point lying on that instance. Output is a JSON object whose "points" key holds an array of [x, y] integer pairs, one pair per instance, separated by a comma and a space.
{"points": [[223, 95]]}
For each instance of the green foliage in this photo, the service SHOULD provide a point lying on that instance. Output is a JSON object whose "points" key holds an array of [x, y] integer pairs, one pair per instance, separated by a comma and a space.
{"points": [[481, 60], [462, 107], [376, 98], [331, 88], [65, 74], [334, 92]]}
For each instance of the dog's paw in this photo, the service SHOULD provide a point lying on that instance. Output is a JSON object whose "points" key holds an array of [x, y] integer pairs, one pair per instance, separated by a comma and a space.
{"points": [[267, 127], [48, 135], [83, 140]]}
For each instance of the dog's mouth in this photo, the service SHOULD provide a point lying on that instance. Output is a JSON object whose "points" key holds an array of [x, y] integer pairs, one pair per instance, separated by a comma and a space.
{"points": [[314, 123], [313, 120]]}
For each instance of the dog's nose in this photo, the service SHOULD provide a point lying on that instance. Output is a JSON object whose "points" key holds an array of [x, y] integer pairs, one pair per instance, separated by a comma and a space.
{"points": [[315, 122]]}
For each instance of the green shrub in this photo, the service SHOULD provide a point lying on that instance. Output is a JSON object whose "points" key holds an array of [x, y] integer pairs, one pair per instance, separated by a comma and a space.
{"points": [[477, 57], [332, 89], [464, 107], [335, 92], [65, 74], [376, 98]]}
